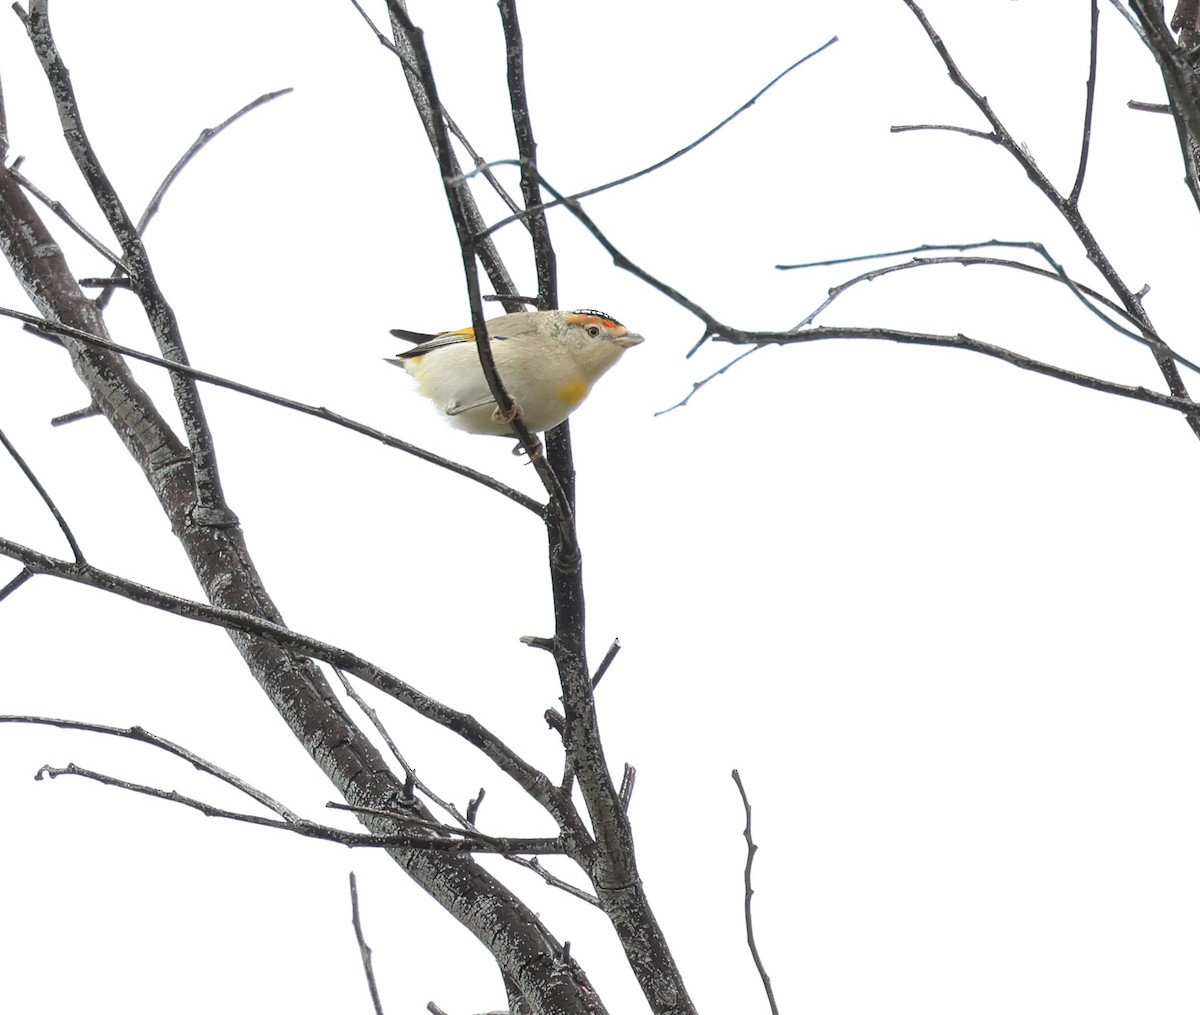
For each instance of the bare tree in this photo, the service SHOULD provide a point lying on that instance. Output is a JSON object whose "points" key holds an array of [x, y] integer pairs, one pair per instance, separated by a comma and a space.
{"points": [[432, 840]]}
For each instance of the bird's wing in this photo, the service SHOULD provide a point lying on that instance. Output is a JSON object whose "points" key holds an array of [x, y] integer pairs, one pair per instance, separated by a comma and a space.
{"points": [[427, 343], [416, 337]]}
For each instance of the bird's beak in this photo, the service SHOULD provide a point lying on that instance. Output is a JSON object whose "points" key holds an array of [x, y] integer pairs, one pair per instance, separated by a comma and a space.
{"points": [[628, 341]]}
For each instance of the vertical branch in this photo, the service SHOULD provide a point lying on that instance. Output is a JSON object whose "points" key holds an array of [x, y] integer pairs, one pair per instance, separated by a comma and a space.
{"points": [[1086, 141], [543, 250], [612, 868], [462, 209], [432, 116], [1179, 77], [364, 949], [751, 849]]}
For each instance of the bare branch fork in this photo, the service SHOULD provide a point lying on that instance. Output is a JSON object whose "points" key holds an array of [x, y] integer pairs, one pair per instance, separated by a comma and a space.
{"points": [[1068, 205], [182, 478], [210, 508], [720, 331], [610, 861]]}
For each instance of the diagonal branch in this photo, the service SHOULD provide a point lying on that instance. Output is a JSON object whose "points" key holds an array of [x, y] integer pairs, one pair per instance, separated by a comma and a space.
{"points": [[143, 736], [536, 784], [46, 498], [314, 830], [647, 170], [319, 412], [1067, 208], [205, 136], [464, 213], [211, 508], [520, 942]]}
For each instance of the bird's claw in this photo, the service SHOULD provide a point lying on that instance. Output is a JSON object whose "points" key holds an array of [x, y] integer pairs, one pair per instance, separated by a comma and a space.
{"points": [[499, 416]]}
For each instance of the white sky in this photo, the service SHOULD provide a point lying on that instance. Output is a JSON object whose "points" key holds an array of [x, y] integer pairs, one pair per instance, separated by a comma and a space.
{"points": [[939, 612]]}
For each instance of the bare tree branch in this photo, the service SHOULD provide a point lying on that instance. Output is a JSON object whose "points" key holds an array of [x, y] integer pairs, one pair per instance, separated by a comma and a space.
{"points": [[1089, 105], [751, 849], [20, 579], [464, 212], [363, 948], [606, 662], [143, 736], [60, 210], [211, 508], [39, 324], [1180, 79], [1083, 293], [206, 135], [543, 251], [645, 171], [46, 498], [1066, 207], [521, 944], [314, 830]]}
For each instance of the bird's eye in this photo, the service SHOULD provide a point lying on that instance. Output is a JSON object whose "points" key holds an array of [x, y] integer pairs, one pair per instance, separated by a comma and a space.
{"points": [[593, 330]]}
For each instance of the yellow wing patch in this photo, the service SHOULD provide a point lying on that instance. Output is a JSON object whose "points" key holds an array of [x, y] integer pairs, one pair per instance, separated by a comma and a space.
{"points": [[572, 392]]}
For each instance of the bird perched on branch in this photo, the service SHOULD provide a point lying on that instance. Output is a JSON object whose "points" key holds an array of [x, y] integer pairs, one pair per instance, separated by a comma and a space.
{"points": [[547, 360]]}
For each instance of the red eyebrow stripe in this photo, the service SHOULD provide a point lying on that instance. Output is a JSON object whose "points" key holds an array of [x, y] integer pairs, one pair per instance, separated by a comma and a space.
{"points": [[579, 316]]}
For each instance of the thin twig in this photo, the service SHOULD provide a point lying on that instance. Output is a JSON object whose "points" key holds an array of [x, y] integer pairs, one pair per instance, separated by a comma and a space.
{"points": [[211, 508], [312, 829], [461, 209], [60, 210], [75, 415], [18, 580], [39, 324], [983, 135], [1069, 211], [204, 137], [628, 778], [491, 843], [960, 341], [543, 250], [467, 821], [1086, 139], [751, 849], [482, 166], [739, 336], [560, 199], [606, 662], [433, 119], [697, 385], [143, 736], [1083, 293], [364, 949], [534, 782], [410, 773], [46, 498]]}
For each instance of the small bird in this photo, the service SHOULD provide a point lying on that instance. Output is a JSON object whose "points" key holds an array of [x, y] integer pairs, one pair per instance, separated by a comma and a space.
{"points": [[548, 361]]}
